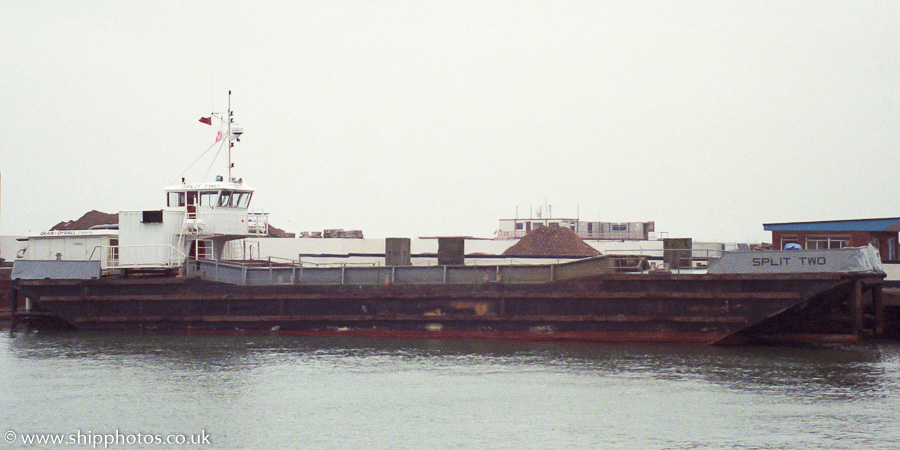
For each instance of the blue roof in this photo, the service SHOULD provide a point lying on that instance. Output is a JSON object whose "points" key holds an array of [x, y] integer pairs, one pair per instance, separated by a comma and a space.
{"points": [[887, 224]]}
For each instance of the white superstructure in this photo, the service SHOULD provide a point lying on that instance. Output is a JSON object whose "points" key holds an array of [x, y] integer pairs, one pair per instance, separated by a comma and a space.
{"points": [[197, 221], [76, 245]]}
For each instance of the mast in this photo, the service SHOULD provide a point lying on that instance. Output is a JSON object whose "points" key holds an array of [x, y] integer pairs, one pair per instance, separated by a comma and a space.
{"points": [[230, 137]]}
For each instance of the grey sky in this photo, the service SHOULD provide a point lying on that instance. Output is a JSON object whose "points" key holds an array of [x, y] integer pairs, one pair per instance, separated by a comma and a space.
{"points": [[439, 118]]}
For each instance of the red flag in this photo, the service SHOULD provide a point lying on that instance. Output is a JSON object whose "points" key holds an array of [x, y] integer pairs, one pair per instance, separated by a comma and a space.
{"points": [[219, 136], [206, 120]]}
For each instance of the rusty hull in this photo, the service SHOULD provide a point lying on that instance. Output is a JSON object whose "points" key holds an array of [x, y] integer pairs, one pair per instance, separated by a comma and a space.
{"points": [[701, 309]]}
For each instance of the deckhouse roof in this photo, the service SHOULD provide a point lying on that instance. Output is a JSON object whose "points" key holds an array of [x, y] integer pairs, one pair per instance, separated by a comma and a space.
{"points": [[210, 186], [884, 224]]}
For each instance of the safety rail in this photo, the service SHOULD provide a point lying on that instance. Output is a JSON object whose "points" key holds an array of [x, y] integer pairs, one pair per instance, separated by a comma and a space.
{"points": [[695, 253], [162, 256], [227, 223], [299, 262], [258, 223], [277, 261], [268, 275]]}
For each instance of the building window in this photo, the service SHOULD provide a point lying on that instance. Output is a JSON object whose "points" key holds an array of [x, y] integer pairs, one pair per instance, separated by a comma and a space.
{"points": [[892, 248], [520, 226], [785, 240], [620, 227], [826, 242]]}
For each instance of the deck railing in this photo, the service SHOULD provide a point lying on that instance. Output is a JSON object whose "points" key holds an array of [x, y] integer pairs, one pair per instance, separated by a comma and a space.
{"points": [[273, 274], [144, 257]]}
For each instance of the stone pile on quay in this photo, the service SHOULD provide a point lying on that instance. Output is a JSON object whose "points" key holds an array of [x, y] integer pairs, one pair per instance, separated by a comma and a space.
{"points": [[551, 241]]}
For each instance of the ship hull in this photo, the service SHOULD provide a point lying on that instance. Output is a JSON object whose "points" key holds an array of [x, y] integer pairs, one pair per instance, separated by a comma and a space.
{"points": [[699, 309]]}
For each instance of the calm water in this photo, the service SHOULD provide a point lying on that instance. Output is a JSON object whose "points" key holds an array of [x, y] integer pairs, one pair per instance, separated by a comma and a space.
{"points": [[283, 392]]}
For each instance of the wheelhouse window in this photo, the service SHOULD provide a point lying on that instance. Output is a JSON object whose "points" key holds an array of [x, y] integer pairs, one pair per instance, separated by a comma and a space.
{"points": [[208, 198], [620, 227], [176, 199], [225, 199], [241, 200]]}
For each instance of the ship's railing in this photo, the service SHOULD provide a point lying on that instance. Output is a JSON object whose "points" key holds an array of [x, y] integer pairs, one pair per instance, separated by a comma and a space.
{"points": [[299, 262], [138, 256], [429, 261], [275, 261], [695, 258], [258, 223], [274, 274], [229, 222], [253, 255], [695, 253]]}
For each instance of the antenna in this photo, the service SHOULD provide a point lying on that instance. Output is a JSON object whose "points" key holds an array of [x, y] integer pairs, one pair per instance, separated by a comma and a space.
{"points": [[230, 137]]}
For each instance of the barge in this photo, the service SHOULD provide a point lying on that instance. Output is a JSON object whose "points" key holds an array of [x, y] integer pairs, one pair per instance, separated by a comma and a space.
{"points": [[695, 308], [163, 270]]}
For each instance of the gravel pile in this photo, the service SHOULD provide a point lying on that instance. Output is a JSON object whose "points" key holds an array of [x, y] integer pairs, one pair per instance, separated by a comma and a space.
{"points": [[87, 221], [551, 241]]}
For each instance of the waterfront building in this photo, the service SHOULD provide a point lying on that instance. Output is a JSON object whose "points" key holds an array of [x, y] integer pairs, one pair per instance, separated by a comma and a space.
{"points": [[830, 234], [631, 231]]}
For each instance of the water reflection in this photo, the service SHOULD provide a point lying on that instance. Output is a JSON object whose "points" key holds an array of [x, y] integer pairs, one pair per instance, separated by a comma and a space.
{"points": [[349, 392], [838, 371]]}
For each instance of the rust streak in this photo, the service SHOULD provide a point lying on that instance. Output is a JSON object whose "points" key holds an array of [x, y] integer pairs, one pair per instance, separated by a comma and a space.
{"points": [[412, 318], [439, 296]]}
